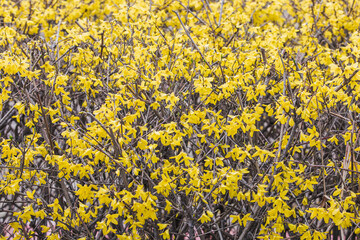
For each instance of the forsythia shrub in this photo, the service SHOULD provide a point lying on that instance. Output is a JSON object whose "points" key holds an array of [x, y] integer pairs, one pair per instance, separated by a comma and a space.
{"points": [[170, 119]]}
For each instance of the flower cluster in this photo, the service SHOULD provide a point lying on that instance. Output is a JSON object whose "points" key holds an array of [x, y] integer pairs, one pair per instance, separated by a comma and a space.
{"points": [[167, 119]]}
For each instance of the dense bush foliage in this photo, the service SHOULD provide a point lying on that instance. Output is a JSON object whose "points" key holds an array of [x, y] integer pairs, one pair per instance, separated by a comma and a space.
{"points": [[179, 119]]}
